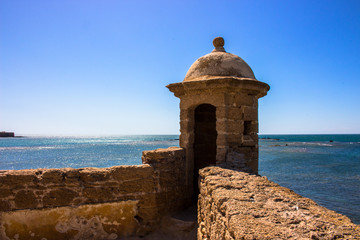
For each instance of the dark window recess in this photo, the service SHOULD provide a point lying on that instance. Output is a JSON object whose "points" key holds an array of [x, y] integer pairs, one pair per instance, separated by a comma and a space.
{"points": [[247, 127]]}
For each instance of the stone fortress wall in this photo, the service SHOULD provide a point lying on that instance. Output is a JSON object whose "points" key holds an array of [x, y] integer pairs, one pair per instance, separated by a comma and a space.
{"points": [[92, 203], [123, 201]]}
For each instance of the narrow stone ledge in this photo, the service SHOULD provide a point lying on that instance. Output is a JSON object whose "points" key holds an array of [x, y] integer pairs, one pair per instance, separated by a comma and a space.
{"points": [[162, 155]]}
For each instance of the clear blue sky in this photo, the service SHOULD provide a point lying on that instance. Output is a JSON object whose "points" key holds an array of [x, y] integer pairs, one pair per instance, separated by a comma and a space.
{"points": [[101, 67]]}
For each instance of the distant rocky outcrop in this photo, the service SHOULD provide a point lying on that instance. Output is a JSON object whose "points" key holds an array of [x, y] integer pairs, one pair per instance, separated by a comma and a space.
{"points": [[7, 134]]}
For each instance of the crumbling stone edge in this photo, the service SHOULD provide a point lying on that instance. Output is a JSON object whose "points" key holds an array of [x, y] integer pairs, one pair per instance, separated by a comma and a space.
{"points": [[238, 205]]}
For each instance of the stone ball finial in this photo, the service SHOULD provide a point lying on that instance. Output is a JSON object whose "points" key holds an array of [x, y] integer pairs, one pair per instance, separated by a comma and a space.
{"points": [[218, 43]]}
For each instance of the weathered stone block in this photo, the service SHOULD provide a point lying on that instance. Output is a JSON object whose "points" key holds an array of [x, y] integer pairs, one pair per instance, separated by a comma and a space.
{"points": [[136, 186], [124, 173], [91, 175], [17, 178], [78, 201], [234, 113], [25, 199], [235, 127], [52, 176], [245, 99], [72, 176], [221, 139], [5, 193], [221, 112], [147, 200], [201, 96], [59, 197], [160, 155], [4, 205], [99, 194], [250, 113], [234, 138]]}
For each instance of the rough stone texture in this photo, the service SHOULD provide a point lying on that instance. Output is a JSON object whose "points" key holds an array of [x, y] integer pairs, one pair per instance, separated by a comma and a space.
{"points": [[39, 188], [169, 169], [95, 221], [157, 186], [236, 103], [237, 205], [218, 63]]}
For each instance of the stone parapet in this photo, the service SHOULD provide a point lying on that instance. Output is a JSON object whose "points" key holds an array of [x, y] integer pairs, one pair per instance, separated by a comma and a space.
{"points": [[169, 169], [44, 188], [72, 203], [238, 205]]}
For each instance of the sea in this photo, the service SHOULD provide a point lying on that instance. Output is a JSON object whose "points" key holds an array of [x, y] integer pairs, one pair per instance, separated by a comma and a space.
{"points": [[325, 168]]}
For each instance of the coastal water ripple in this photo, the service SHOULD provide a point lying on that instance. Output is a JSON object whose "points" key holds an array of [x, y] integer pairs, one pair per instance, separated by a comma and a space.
{"points": [[78, 152], [325, 168]]}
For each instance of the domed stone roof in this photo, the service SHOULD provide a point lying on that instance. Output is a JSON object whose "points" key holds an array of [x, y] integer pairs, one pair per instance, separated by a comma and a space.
{"points": [[218, 64]]}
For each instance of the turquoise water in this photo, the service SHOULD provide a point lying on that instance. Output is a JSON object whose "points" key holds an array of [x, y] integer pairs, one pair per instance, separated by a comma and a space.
{"points": [[325, 168], [77, 152]]}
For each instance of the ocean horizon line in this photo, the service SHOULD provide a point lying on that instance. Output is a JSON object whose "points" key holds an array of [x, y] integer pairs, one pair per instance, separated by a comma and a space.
{"points": [[166, 134]]}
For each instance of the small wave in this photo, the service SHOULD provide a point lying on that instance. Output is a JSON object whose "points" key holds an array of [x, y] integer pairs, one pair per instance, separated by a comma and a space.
{"points": [[301, 150], [311, 144], [30, 148], [320, 144], [325, 144]]}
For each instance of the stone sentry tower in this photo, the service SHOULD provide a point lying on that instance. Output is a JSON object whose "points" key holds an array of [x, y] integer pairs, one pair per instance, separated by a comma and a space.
{"points": [[219, 112]]}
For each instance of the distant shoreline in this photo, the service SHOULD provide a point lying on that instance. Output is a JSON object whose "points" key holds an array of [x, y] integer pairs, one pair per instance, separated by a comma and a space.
{"points": [[7, 134]]}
